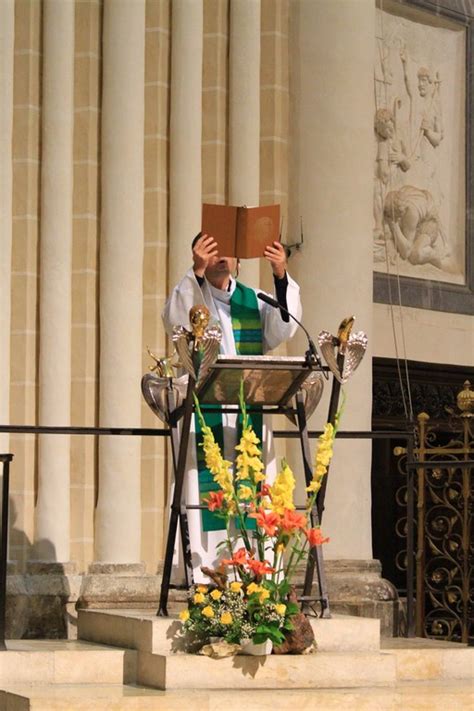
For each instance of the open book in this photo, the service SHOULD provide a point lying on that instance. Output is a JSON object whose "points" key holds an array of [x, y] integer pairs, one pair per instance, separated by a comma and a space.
{"points": [[241, 231]]}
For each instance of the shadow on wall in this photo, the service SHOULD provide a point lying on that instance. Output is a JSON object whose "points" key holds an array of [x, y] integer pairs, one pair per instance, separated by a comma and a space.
{"points": [[36, 599]]}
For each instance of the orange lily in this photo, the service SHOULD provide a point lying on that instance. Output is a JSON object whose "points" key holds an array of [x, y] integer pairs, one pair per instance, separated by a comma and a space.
{"points": [[268, 521], [292, 520], [215, 500], [315, 537]]}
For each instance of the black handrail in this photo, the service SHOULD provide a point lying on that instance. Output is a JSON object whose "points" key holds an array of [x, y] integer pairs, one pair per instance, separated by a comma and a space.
{"points": [[164, 432]]}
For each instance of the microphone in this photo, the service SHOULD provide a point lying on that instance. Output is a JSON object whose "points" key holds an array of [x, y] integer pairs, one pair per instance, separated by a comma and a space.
{"points": [[311, 354]]}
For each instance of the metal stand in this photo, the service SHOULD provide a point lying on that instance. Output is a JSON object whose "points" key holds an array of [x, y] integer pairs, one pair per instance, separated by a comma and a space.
{"points": [[315, 554], [178, 509], [5, 459]]}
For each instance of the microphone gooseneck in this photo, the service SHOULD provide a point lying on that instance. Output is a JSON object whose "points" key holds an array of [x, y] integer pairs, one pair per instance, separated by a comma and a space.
{"points": [[311, 355]]}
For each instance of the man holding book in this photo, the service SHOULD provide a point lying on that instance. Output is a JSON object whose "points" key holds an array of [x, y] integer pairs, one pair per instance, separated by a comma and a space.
{"points": [[249, 327]]}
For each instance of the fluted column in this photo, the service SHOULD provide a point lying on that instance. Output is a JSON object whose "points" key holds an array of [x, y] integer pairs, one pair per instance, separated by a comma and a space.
{"points": [[331, 187], [185, 133], [244, 114], [52, 511], [7, 27], [121, 280]]}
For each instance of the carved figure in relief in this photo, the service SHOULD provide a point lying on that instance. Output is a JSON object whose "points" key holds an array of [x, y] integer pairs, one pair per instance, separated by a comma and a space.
{"points": [[412, 217], [426, 126], [391, 160]]}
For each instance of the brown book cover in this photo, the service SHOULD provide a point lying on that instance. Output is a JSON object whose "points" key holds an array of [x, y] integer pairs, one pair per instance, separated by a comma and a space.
{"points": [[242, 232]]}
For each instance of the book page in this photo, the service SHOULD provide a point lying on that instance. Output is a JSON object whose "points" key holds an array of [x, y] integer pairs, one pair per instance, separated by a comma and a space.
{"points": [[257, 228], [219, 221]]}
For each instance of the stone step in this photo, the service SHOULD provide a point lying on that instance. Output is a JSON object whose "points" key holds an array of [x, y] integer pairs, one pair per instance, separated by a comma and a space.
{"points": [[65, 662], [424, 659], [312, 671], [409, 696], [144, 631]]}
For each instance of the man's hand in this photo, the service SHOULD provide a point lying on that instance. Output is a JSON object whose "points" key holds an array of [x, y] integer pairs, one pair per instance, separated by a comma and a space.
{"points": [[276, 255], [203, 251]]}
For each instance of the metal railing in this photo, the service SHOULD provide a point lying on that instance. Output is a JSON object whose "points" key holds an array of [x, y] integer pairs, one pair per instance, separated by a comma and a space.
{"points": [[165, 432]]}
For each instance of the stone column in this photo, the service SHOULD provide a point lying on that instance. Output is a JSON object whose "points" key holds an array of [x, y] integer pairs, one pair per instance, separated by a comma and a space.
{"points": [[52, 511], [7, 25], [185, 133], [331, 188], [244, 114], [118, 516]]}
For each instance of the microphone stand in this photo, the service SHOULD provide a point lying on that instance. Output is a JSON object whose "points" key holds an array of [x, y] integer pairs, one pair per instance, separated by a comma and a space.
{"points": [[311, 354]]}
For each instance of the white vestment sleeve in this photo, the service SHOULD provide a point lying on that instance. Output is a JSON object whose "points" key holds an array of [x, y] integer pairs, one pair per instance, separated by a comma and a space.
{"points": [[185, 295], [275, 330]]}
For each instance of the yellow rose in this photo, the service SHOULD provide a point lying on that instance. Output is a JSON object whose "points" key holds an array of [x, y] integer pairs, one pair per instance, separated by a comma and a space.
{"points": [[253, 588], [280, 609], [226, 618], [202, 588], [184, 615], [216, 594], [236, 587], [208, 611], [198, 598], [264, 594]]}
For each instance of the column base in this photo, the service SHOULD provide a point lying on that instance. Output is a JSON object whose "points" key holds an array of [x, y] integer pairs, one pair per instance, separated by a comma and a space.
{"points": [[117, 569], [356, 587], [47, 567], [43, 603]]}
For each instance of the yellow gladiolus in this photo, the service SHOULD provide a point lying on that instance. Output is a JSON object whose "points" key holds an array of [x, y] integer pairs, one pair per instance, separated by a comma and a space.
{"points": [[244, 492], [236, 587], [281, 493], [184, 615], [198, 598], [324, 454], [280, 609], [208, 611], [226, 618], [216, 594]]}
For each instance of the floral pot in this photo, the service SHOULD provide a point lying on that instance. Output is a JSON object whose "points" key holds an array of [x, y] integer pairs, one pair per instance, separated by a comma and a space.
{"points": [[257, 650]]}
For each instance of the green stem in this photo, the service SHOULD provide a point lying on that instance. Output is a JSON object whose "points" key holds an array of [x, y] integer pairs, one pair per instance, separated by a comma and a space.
{"points": [[243, 530]]}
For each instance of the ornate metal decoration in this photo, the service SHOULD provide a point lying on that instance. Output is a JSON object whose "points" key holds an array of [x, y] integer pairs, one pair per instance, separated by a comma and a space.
{"points": [[445, 526], [312, 390], [155, 390], [202, 337], [344, 352], [465, 400]]}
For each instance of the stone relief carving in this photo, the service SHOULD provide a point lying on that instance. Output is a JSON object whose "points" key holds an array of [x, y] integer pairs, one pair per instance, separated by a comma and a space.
{"points": [[419, 210]]}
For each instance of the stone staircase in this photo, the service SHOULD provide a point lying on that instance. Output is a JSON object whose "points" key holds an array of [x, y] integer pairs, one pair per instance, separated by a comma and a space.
{"points": [[129, 659]]}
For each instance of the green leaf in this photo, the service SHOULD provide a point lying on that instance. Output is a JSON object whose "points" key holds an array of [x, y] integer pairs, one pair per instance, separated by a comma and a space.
{"points": [[284, 588]]}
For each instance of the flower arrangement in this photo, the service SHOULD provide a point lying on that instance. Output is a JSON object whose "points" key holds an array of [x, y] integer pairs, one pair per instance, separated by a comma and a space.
{"points": [[248, 598]]}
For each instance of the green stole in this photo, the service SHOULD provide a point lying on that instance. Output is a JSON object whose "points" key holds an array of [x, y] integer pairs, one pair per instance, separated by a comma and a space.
{"points": [[247, 328]]}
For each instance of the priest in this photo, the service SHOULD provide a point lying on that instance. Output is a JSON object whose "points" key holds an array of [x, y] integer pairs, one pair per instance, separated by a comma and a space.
{"points": [[249, 327]]}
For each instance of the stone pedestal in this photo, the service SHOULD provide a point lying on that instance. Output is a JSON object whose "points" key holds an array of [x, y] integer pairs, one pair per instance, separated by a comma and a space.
{"points": [[45, 601]]}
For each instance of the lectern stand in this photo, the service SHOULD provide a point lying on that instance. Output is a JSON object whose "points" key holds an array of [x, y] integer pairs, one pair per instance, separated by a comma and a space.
{"points": [[272, 385]]}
